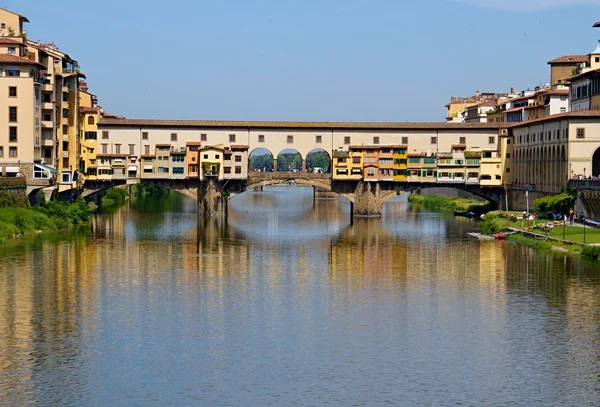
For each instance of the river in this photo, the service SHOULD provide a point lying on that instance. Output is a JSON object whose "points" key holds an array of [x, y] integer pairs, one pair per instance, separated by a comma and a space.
{"points": [[291, 304]]}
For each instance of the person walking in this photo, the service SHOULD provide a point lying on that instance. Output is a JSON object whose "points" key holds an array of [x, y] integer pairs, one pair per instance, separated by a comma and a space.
{"points": [[571, 213]]}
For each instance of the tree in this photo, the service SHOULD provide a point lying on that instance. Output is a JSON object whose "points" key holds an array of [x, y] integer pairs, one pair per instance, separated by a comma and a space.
{"points": [[11, 31], [318, 159], [561, 203]]}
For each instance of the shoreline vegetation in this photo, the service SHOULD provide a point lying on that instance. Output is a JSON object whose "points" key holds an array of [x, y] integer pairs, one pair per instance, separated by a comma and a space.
{"points": [[449, 204], [544, 235]]}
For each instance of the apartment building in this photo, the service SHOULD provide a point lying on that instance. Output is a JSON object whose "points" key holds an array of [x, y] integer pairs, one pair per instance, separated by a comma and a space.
{"points": [[40, 86], [563, 68]]}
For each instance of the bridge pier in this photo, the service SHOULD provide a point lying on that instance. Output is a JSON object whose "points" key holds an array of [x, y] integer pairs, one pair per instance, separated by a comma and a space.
{"points": [[368, 199], [210, 198]]}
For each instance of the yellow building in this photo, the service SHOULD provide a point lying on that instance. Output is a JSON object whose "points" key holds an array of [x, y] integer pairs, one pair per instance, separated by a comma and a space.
{"points": [[211, 162], [400, 163], [342, 165]]}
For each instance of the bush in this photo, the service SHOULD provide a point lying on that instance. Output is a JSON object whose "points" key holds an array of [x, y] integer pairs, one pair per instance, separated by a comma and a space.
{"points": [[141, 190], [591, 252], [75, 213], [561, 203], [489, 227]]}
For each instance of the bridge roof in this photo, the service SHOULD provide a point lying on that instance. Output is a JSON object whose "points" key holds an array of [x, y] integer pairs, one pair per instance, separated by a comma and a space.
{"points": [[295, 125]]}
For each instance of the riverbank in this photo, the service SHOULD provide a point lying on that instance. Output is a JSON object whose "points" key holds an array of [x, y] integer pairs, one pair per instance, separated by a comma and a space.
{"points": [[48, 217], [449, 204]]}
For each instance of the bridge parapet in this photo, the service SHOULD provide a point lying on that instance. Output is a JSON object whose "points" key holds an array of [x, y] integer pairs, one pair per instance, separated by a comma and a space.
{"points": [[585, 185], [262, 176]]}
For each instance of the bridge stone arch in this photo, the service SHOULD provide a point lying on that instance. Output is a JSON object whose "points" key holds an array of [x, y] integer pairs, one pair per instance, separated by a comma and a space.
{"points": [[315, 151], [259, 152]]}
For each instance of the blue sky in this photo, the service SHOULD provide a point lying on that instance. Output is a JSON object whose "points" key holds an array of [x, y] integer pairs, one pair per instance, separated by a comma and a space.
{"points": [[352, 60]]}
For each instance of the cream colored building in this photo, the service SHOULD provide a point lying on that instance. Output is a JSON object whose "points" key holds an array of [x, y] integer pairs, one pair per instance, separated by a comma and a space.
{"points": [[549, 151]]}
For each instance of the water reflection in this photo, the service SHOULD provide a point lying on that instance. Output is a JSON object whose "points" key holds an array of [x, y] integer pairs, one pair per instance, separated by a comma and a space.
{"points": [[289, 301]]}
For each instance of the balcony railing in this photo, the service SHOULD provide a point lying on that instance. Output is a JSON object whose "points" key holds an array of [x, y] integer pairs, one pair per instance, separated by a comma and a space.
{"points": [[589, 185]]}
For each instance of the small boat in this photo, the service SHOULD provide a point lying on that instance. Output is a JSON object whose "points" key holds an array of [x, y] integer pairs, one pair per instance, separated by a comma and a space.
{"points": [[479, 236]]}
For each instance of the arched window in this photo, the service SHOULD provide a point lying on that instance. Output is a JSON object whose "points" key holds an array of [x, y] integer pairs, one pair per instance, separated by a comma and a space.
{"points": [[91, 120]]}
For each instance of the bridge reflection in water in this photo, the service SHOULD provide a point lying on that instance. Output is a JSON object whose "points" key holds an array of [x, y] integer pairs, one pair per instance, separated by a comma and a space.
{"points": [[301, 296]]}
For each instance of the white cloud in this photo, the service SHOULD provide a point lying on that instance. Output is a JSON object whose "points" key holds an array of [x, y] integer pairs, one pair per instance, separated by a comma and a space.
{"points": [[528, 5]]}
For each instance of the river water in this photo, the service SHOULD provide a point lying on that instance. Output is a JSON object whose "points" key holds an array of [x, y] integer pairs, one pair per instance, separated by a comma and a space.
{"points": [[291, 304]]}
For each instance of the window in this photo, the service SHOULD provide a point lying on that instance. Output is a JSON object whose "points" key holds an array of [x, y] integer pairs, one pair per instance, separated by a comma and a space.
{"points": [[12, 151], [227, 170], [173, 136], [318, 139], [261, 138], [12, 114], [145, 135], [375, 140], [414, 160], [12, 134], [65, 130], [12, 91], [2, 151], [206, 156], [217, 156], [347, 140], [2, 26], [104, 148], [238, 158], [91, 120], [508, 170], [290, 139], [178, 158], [434, 140], [405, 140], [131, 149], [507, 155], [65, 113], [563, 109], [232, 138], [105, 135], [597, 59], [178, 170], [580, 133], [492, 140], [146, 149], [12, 50], [203, 137], [238, 169], [371, 172], [462, 140], [13, 71], [507, 141], [117, 149], [355, 160], [65, 96]]}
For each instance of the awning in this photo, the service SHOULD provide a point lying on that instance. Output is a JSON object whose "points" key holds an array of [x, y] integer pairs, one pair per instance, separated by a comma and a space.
{"points": [[148, 167], [0, 170], [132, 168], [13, 169], [46, 168]]}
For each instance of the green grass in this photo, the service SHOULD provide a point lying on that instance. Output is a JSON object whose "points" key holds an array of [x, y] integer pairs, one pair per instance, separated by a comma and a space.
{"points": [[544, 245], [575, 234], [448, 204]]}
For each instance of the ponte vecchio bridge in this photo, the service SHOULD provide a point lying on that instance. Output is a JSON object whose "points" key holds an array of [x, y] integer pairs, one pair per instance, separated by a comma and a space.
{"points": [[369, 162]]}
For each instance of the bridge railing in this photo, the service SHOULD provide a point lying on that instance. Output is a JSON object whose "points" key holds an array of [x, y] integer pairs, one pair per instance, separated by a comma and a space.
{"points": [[585, 184], [287, 175]]}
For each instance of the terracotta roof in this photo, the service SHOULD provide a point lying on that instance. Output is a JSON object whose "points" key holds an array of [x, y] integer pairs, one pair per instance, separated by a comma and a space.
{"points": [[578, 113], [558, 92], [89, 109], [459, 146], [12, 12], [148, 156], [376, 146], [294, 125], [178, 153], [239, 146], [193, 143], [415, 154], [163, 145], [211, 148], [13, 59], [10, 41], [569, 59]]}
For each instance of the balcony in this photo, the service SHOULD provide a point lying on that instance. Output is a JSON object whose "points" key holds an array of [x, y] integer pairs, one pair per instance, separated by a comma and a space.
{"points": [[65, 137], [47, 106], [48, 142], [47, 87], [65, 154], [47, 124]]}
